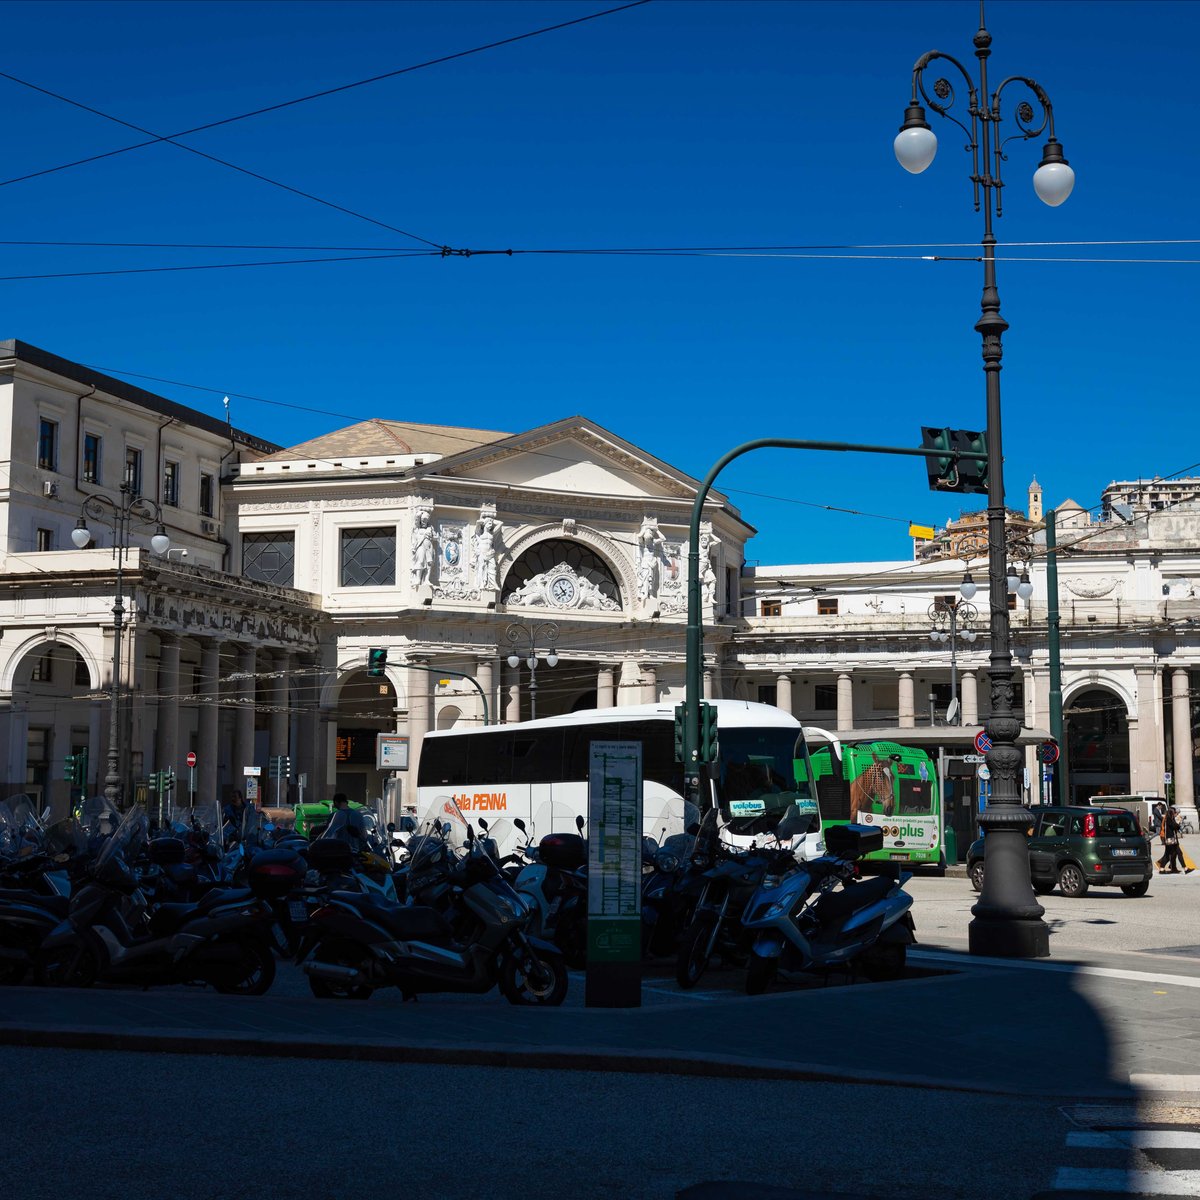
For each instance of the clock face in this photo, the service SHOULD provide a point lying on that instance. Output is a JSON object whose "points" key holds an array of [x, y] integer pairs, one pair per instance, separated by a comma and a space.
{"points": [[563, 590]]}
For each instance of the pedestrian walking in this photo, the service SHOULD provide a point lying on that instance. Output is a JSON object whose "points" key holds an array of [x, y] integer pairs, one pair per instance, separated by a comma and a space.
{"points": [[1172, 860]]}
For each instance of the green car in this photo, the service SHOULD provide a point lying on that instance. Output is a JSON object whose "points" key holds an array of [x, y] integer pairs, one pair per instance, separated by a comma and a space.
{"points": [[1074, 849], [311, 816]]}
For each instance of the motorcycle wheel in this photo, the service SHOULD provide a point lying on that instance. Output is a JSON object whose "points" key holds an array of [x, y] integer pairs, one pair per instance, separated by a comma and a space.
{"points": [[342, 954], [544, 987], [73, 965], [693, 958], [884, 961], [253, 975], [760, 974]]}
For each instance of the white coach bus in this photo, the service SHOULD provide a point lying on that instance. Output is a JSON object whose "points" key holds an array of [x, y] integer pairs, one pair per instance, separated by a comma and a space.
{"points": [[538, 771]]}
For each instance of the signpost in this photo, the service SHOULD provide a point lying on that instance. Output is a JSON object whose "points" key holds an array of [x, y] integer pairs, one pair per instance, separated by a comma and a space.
{"points": [[391, 752], [983, 743], [614, 962], [252, 776]]}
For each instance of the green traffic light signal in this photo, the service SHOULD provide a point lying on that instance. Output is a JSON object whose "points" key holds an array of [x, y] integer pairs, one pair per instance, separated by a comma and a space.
{"points": [[376, 661], [709, 746]]}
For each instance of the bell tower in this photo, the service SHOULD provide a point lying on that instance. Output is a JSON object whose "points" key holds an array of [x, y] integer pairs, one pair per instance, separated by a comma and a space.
{"points": [[1035, 502]]}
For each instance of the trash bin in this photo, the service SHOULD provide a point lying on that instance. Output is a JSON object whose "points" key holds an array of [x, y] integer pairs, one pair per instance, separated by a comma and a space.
{"points": [[950, 846]]}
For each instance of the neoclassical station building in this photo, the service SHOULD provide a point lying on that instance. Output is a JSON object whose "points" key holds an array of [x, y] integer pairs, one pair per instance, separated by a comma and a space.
{"points": [[453, 550]]}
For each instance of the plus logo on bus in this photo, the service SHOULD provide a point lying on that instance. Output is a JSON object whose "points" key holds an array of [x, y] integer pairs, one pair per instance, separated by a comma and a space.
{"points": [[482, 801]]}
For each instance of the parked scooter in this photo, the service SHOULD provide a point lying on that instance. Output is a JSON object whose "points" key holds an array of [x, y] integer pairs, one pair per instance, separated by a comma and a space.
{"points": [[112, 934], [359, 942], [821, 915], [555, 883]]}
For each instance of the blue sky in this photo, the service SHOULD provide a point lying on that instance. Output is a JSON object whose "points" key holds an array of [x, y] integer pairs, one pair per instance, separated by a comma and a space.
{"points": [[673, 124]]}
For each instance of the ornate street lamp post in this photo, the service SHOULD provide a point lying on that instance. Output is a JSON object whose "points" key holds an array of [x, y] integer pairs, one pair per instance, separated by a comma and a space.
{"points": [[527, 637], [121, 517], [1007, 918], [953, 619]]}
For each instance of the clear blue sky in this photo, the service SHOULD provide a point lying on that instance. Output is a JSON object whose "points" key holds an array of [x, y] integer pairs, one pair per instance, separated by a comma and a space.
{"points": [[673, 124]]}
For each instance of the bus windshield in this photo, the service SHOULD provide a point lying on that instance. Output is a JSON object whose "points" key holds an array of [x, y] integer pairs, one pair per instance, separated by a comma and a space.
{"points": [[757, 780]]}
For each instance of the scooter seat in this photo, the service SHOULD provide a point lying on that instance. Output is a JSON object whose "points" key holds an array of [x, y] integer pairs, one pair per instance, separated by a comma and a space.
{"points": [[407, 922], [56, 906], [833, 906], [166, 918]]}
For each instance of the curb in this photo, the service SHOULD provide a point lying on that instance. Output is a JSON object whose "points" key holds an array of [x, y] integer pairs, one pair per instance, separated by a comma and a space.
{"points": [[547, 1058]]}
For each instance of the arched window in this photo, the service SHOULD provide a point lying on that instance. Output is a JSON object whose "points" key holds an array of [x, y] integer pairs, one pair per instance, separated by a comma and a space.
{"points": [[545, 556]]}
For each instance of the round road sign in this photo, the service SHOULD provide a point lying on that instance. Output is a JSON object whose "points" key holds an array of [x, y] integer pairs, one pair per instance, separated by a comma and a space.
{"points": [[983, 743], [191, 758], [1049, 752]]}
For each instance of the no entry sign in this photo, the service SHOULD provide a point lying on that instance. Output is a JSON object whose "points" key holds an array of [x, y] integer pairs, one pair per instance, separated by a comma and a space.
{"points": [[191, 758]]}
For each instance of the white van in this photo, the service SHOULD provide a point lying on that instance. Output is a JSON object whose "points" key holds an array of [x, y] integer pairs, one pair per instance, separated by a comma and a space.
{"points": [[1142, 807]]}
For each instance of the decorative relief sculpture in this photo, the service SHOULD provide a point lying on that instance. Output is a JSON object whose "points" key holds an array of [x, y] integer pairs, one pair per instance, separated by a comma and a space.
{"points": [[1091, 588], [485, 546], [709, 546], [561, 587], [651, 555], [424, 546], [454, 582]]}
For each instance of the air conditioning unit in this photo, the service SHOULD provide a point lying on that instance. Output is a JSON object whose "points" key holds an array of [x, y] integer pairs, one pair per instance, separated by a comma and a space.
{"points": [[49, 487], [208, 526]]}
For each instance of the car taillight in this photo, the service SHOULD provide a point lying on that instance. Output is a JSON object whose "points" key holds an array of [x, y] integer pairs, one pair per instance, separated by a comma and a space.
{"points": [[1089, 825]]}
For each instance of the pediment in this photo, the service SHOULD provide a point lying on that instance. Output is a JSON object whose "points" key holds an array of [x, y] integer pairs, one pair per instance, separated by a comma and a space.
{"points": [[579, 460]]}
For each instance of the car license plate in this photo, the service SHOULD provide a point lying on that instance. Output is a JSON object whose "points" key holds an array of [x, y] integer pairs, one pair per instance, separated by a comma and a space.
{"points": [[297, 911], [1124, 853]]}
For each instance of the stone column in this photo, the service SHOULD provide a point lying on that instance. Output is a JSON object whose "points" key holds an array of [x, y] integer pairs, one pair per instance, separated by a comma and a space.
{"points": [[905, 706], [485, 672], [845, 702], [420, 685], [710, 686], [649, 685], [243, 721], [783, 693], [629, 690], [208, 689], [279, 722], [969, 683], [166, 748], [1181, 726], [309, 745], [512, 703], [605, 688], [1145, 736]]}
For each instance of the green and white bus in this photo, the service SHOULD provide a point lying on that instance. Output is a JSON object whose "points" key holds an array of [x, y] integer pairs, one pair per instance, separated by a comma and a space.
{"points": [[884, 784]]}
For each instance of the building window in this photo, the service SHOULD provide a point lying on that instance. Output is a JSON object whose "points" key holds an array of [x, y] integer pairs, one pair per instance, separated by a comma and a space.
{"points": [[767, 693], [171, 484], [827, 607], [885, 697], [770, 608], [83, 677], [369, 557], [37, 757], [731, 591], [825, 697], [1012, 602], [270, 557], [48, 445], [91, 458], [45, 539], [206, 494], [133, 470], [43, 666]]}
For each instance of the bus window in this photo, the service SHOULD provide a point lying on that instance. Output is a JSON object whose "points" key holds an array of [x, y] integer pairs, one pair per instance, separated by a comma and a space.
{"points": [[916, 796], [758, 778]]}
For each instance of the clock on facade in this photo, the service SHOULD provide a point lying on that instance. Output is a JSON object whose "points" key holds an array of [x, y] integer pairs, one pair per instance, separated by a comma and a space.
{"points": [[563, 590]]}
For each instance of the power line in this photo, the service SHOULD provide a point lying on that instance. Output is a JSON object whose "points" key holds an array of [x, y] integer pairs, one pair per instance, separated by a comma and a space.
{"points": [[156, 139]]}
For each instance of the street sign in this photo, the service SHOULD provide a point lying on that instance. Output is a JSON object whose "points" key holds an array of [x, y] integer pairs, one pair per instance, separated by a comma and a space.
{"points": [[191, 758], [1167, 777], [983, 743], [252, 772], [1049, 753], [983, 771], [973, 758], [391, 751]]}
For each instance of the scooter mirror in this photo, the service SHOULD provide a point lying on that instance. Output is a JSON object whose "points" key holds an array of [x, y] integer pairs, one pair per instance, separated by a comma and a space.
{"points": [[579, 823], [483, 824], [391, 827], [519, 824]]}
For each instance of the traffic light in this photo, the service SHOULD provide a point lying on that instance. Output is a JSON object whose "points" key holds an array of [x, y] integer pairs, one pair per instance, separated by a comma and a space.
{"points": [[376, 661], [287, 766], [680, 717], [948, 470], [71, 769], [708, 733]]}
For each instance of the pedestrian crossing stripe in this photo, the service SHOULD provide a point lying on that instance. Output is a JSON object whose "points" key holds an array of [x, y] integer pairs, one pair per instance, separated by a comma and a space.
{"points": [[1096, 1181], [1135, 1139]]}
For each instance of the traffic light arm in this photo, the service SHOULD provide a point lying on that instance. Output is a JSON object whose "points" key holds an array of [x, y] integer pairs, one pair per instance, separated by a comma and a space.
{"points": [[455, 675], [695, 628]]}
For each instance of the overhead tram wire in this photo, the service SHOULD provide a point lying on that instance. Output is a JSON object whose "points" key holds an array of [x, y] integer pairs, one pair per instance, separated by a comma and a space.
{"points": [[156, 138]]}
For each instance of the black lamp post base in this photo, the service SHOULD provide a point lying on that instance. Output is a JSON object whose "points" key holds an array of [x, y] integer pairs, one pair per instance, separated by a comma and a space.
{"points": [[1009, 939]]}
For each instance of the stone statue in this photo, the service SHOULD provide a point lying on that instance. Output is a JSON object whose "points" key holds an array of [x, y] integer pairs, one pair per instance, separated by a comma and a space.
{"points": [[651, 555], [424, 548], [709, 542], [485, 546]]}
